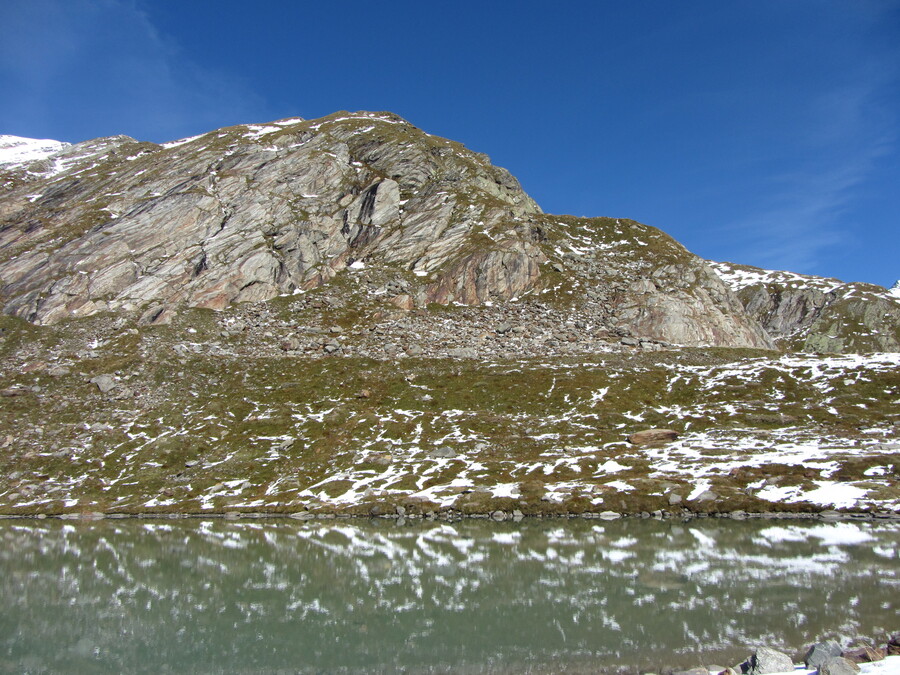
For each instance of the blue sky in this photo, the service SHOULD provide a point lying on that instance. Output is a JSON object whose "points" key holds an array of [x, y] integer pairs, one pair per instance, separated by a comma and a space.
{"points": [[759, 131]]}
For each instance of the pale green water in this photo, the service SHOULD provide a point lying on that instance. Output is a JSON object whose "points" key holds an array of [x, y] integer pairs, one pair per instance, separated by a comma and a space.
{"points": [[214, 596]]}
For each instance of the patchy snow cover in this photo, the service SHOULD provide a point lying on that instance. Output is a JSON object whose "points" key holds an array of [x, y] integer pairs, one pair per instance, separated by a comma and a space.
{"points": [[16, 151], [696, 457], [741, 276], [895, 290], [181, 141]]}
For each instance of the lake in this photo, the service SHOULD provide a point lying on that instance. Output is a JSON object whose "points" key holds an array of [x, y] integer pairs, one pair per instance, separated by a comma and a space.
{"points": [[338, 596]]}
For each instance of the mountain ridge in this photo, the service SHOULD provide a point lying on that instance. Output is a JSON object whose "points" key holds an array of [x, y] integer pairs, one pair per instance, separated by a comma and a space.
{"points": [[134, 226], [250, 212]]}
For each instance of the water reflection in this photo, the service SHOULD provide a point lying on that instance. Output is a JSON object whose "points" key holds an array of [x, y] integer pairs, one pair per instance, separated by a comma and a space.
{"points": [[263, 596]]}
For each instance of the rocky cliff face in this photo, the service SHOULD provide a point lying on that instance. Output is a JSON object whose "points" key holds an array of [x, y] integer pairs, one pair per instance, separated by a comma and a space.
{"points": [[248, 213], [808, 313]]}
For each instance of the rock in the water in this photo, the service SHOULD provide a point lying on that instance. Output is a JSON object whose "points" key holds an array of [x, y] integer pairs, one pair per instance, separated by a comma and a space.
{"points": [[766, 660], [838, 665], [105, 383], [649, 436], [820, 652]]}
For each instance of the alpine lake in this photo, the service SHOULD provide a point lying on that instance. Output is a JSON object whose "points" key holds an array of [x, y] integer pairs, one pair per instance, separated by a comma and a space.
{"points": [[279, 595]]}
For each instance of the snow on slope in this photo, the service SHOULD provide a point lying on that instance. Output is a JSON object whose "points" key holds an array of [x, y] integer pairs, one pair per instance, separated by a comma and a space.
{"points": [[16, 151], [895, 290], [740, 276]]}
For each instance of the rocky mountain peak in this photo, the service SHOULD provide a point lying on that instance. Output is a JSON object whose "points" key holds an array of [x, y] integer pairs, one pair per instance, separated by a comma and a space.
{"points": [[255, 211]]}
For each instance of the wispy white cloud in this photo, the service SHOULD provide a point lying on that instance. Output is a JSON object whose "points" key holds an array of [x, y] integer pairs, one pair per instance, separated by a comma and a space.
{"points": [[805, 216], [81, 68]]}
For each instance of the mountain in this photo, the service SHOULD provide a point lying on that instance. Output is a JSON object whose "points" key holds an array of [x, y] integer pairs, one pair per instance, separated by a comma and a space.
{"points": [[252, 212], [351, 315], [815, 314]]}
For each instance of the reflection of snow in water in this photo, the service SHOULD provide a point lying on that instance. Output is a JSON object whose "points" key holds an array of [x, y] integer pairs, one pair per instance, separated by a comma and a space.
{"points": [[705, 584]]}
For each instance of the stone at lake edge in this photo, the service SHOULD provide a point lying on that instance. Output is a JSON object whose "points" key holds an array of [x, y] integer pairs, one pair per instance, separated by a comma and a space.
{"points": [[838, 666], [820, 652], [766, 660]]}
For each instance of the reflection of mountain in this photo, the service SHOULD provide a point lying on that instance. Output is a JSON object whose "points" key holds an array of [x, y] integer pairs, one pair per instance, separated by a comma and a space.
{"points": [[217, 595]]}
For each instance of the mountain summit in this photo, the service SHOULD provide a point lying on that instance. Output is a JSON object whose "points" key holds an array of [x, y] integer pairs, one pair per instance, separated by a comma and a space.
{"points": [[252, 212]]}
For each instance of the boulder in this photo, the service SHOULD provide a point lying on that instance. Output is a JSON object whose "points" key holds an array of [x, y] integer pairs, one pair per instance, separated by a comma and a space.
{"points": [[649, 436], [766, 660], [443, 452], [105, 383], [820, 652], [838, 665]]}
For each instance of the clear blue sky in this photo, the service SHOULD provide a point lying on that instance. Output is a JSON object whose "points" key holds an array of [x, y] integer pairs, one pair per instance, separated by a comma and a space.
{"points": [[759, 131]]}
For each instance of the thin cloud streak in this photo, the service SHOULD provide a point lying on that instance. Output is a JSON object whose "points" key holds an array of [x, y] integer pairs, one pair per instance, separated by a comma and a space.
{"points": [[107, 55], [805, 219]]}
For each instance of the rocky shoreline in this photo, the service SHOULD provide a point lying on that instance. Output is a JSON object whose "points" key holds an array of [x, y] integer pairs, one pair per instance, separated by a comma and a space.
{"points": [[401, 515], [821, 658]]}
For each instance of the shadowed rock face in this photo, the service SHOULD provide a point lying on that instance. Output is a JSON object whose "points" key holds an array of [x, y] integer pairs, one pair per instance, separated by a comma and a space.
{"points": [[246, 213]]}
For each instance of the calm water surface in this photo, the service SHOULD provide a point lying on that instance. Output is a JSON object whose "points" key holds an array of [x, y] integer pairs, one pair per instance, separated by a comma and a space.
{"points": [[216, 596]]}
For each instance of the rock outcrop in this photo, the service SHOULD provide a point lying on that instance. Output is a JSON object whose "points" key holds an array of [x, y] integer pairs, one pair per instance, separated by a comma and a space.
{"points": [[816, 314], [248, 213]]}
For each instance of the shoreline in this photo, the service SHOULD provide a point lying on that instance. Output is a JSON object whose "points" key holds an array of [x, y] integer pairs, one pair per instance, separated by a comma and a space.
{"points": [[497, 516]]}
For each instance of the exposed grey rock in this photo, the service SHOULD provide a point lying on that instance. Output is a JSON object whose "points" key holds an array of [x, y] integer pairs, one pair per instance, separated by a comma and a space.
{"points": [[706, 496], [820, 652], [242, 215], [463, 353], [766, 660], [838, 665], [442, 452], [674, 499], [817, 314], [105, 383]]}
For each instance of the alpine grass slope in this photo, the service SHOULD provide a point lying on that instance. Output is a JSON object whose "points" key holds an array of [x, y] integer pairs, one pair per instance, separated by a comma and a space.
{"points": [[351, 315]]}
